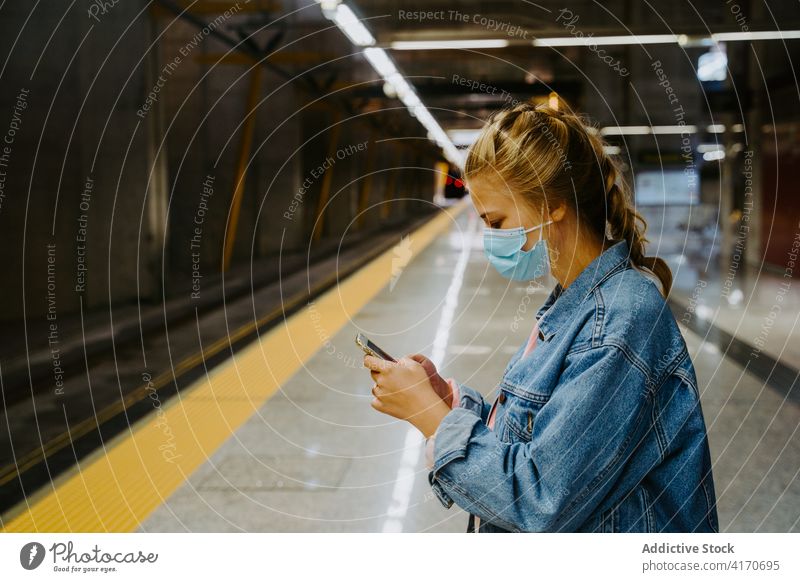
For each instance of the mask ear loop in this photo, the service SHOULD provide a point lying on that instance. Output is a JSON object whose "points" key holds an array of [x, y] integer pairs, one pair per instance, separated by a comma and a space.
{"points": [[538, 226], [542, 225], [547, 248], [541, 232]]}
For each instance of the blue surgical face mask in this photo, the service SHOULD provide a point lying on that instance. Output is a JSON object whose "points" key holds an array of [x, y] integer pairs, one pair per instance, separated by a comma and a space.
{"points": [[503, 248]]}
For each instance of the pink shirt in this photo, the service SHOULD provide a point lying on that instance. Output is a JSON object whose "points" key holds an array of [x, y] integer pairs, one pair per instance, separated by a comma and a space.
{"points": [[490, 422]]}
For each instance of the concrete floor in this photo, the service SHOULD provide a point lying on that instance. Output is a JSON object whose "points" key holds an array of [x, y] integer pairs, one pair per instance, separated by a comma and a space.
{"points": [[316, 457]]}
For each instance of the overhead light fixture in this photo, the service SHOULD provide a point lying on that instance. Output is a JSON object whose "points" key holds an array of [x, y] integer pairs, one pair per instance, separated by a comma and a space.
{"points": [[713, 65], [607, 40], [463, 137], [647, 129], [423, 45], [385, 67], [399, 83], [328, 7], [388, 90], [684, 40], [756, 35], [347, 21], [358, 34], [714, 155], [410, 100], [681, 39], [674, 129], [625, 130], [716, 128], [381, 62]]}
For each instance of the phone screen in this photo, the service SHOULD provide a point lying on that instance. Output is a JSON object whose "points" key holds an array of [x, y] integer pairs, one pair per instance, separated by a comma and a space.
{"points": [[370, 348]]}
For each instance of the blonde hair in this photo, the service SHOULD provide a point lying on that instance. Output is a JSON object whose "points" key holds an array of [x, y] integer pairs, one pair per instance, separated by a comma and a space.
{"points": [[544, 153]]}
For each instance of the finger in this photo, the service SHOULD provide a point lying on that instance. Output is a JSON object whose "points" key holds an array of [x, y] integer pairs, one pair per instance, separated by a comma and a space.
{"points": [[374, 363], [370, 362], [407, 362], [377, 405], [429, 366]]}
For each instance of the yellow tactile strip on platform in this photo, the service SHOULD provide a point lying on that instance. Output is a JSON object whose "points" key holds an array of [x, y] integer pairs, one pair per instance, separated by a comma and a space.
{"points": [[116, 489]]}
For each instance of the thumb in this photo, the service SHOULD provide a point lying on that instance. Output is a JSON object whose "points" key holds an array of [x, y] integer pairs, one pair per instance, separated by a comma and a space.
{"points": [[419, 358], [429, 366]]}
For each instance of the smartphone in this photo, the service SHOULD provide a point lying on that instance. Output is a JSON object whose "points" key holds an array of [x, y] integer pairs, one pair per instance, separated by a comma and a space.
{"points": [[371, 349]]}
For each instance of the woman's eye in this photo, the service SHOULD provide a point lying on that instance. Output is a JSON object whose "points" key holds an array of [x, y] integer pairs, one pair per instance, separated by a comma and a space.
{"points": [[495, 224]]}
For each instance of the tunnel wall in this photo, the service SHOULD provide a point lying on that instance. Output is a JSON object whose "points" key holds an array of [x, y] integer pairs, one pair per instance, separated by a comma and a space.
{"points": [[125, 130]]}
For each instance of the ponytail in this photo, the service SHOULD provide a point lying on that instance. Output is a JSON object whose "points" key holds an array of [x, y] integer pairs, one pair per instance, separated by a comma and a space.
{"points": [[622, 223]]}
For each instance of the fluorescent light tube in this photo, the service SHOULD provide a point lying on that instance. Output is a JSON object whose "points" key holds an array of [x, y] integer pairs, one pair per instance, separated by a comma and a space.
{"points": [[672, 129], [606, 40], [352, 26], [646, 129], [421, 45], [380, 61], [756, 35], [410, 100], [681, 39], [625, 130], [715, 155], [463, 137]]}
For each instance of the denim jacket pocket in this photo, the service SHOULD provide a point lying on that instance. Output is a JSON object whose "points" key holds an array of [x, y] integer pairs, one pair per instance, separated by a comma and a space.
{"points": [[530, 378], [537, 393], [519, 418], [636, 512], [633, 514]]}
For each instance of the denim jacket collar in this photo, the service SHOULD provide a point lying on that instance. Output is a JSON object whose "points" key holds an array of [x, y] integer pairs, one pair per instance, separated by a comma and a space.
{"points": [[553, 314]]}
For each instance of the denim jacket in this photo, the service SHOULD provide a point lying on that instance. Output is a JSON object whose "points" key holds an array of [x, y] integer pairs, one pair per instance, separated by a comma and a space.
{"points": [[598, 429]]}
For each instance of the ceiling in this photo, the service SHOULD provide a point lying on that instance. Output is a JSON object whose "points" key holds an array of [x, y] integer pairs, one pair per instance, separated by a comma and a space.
{"points": [[521, 70]]}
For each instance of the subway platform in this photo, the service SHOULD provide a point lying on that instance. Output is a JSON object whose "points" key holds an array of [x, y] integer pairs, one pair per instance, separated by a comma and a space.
{"points": [[282, 438]]}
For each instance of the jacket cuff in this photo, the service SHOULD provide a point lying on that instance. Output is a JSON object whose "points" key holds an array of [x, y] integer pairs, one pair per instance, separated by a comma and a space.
{"points": [[452, 437], [473, 401]]}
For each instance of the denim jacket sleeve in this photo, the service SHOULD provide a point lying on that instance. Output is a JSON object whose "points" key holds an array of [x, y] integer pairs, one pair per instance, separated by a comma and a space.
{"points": [[581, 438], [472, 400]]}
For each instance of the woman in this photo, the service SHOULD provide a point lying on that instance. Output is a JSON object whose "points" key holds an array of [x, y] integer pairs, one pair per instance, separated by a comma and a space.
{"points": [[597, 425]]}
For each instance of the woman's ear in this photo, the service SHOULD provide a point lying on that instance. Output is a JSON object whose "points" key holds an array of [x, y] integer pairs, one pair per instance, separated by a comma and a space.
{"points": [[558, 211]]}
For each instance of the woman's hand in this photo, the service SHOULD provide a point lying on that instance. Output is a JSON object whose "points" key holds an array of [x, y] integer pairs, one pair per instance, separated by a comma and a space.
{"points": [[402, 389], [440, 385]]}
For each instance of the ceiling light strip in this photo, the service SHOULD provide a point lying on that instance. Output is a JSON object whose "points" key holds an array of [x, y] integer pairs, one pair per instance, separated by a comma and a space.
{"points": [[358, 34], [590, 40], [413, 45]]}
